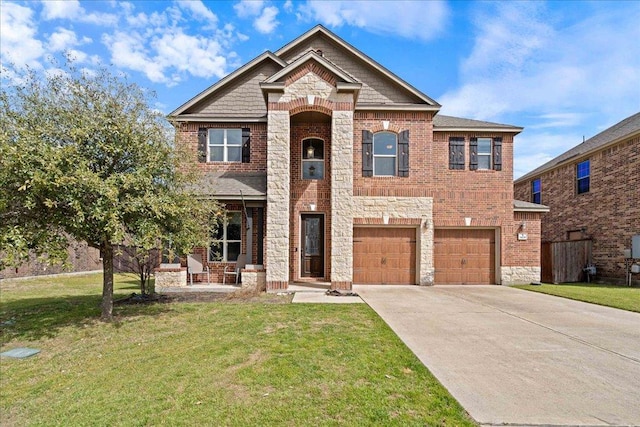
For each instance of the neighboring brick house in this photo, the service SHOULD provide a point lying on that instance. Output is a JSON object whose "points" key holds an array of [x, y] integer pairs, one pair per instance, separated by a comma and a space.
{"points": [[593, 191], [349, 176]]}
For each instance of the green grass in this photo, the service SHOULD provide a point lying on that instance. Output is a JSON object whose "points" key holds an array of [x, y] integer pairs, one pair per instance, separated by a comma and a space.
{"points": [[220, 363], [622, 297]]}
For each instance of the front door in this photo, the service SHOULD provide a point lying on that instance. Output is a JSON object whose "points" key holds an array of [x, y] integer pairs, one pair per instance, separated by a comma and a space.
{"points": [[312, 246]]}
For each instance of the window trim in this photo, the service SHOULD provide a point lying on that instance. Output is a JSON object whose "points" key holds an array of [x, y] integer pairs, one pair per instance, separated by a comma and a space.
{"points": [[224, 239], [586, 177], [536, 193], [395, 156], [225, 145], [302, 157], [488, 154]]}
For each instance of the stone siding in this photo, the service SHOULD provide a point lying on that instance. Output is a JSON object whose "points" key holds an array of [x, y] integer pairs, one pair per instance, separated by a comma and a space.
{"points": [[519, 275], [170, 278], [278, 180]]}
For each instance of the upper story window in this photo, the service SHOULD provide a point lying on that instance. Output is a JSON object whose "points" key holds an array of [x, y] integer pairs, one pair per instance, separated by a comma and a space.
{"points": [[536, 194], [224, 145], [485, 153], [583, 172], [385, 153], [312, 158], [226, 242]]}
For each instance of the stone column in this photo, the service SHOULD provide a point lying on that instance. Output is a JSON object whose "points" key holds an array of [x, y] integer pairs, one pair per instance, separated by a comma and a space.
{"points": [[342, 199], [278, 173]]}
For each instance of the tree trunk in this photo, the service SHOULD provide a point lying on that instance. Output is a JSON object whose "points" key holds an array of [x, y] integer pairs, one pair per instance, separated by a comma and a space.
{"points": [[107, 281]]}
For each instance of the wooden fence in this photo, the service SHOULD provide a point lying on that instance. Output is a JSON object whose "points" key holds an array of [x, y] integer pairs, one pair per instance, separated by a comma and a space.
{"points": [[564, 262]]}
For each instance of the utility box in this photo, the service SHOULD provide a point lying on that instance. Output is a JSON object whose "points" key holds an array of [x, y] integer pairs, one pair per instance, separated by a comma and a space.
{"points": [[635, 246]]}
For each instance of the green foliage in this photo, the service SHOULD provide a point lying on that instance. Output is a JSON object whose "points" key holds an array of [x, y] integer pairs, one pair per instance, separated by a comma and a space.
{"points": [[84, 156]]}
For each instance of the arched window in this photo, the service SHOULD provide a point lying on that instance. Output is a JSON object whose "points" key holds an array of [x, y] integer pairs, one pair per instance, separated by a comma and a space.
{"points": [[312, 158], [385, 153]]}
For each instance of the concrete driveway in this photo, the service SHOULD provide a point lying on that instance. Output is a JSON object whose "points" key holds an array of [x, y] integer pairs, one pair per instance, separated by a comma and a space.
{"points": [[520, 358]]}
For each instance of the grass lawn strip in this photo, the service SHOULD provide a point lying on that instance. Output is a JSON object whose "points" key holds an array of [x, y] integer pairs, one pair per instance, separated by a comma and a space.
{"points": [[622, 297], [219, 363]]}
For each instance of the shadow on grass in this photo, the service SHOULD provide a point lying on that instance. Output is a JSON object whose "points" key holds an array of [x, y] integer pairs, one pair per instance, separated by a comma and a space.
{"points": [[35, 318]]}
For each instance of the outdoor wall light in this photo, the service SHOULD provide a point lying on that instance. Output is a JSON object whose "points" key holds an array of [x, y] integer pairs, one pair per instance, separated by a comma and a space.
{"points": [[523, 226], [311, 151]]}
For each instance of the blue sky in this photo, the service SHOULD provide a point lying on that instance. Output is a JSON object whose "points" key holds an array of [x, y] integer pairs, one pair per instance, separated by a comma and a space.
{"points": [[562, 70]]}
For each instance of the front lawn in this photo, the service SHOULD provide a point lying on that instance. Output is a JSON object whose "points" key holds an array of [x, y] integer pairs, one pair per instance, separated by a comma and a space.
{"points": [[259, 361], [622, 297]]}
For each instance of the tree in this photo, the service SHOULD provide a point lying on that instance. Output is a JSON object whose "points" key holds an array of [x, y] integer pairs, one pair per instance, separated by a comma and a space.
{"points": [[83, 156]]}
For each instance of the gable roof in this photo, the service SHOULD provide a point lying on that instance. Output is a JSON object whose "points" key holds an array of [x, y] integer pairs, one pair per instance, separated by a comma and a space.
{"points": [[452, 124], [319, 29], [265, 56], [622, 130]]}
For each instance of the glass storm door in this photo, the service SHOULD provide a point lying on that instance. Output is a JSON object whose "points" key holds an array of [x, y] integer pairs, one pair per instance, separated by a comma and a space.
{"points": [[312, 246]]}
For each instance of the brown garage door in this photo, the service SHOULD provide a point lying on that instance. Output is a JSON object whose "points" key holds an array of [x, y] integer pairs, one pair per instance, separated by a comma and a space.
{"points": [[384, 256], [464, 256]]}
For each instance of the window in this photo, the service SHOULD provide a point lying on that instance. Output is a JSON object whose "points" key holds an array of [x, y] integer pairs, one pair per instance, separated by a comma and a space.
{"points": [[535, 191], [312, 159], [385, 148], [226, 243], [485, 153], [582, 176], [225, 145]]}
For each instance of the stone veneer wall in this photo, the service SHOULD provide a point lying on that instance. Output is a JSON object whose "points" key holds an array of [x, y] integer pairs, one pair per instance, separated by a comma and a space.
{"points": [[402, 207], [342, 199], [170, 277], [519, 275], [278, 179]]}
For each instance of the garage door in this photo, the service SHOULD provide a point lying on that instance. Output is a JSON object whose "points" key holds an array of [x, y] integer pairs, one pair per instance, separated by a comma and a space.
{"points": [[464, 256], [384, 256]]}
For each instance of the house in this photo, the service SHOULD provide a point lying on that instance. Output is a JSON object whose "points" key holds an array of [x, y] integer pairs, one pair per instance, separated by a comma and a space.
{"points": [[334, 169], [593, 191]]}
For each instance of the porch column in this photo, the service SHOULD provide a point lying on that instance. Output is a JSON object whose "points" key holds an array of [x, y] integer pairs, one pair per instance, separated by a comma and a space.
{"points": [[341, 199], [278, 193]]}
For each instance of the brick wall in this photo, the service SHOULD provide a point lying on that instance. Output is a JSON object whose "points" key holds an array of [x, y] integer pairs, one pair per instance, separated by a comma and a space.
{"points": [[609, 213]]}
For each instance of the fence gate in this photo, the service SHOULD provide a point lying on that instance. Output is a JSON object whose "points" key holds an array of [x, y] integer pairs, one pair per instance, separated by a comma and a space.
{"points": [[563, 262]]}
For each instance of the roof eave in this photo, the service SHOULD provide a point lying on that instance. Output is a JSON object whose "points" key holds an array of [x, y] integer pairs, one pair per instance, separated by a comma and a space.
{"points": [[185, 118], [396, 107], [513, 130]]}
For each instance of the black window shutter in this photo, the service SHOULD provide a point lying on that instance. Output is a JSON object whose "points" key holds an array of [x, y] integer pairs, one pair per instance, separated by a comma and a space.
{"points": [[473, 154], [367, 153], [497, 154], [246, 145], [456, 153], [403, 151], [202, 145]]}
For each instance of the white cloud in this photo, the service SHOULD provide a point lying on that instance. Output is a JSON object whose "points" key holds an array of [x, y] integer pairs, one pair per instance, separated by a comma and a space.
{"points": [[533, 149], [408, 19], [18, 34], [267, 22], [248, 8], [199, 11], [288, 6], [73, 11], [64, 39], [520, 63]]}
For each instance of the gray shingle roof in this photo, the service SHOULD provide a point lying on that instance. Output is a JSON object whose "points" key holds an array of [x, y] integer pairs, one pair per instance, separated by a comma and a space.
{"points": [[225, 185], [441, 122], [620, 130], [522, 206]]}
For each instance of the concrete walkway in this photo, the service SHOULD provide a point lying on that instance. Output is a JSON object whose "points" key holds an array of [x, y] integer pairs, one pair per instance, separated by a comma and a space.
{"points": [[513, 357]]}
